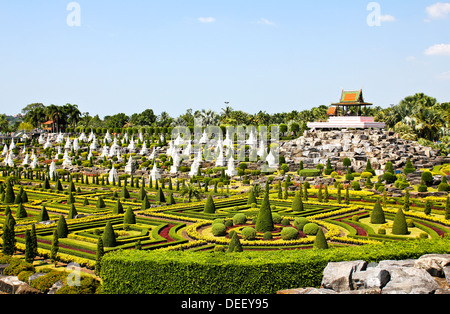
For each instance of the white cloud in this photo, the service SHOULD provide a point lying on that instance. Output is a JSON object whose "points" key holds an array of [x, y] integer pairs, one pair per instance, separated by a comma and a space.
{"points": [[438, 10], [387, 18], [444, 76], [206, 19], [438, 50], [265, 22]]}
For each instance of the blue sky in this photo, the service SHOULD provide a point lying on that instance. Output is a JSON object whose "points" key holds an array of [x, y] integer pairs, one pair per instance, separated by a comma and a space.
{"points": [[275, 56]]}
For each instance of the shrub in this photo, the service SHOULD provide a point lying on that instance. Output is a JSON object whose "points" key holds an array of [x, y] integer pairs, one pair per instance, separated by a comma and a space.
{"points": [[443, 186], [320, 242], [377, 216], [427, 177], [409, 168], [422, 187], [310, 173], [239, 219], [62, 229], [289, 233], [389, 177], [400, 227], [355, 185], [366, 175], [248, 233], [297, 203], [300, 222], [264, 222], [311, 229], [276, 218], [219, 230], [130, 217], [109, 237], [210, 208], [381, 231], [268, 235], [199, 272]]}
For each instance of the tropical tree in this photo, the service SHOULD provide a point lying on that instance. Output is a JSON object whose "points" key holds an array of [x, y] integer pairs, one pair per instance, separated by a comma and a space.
{"points": [[191, 191]]}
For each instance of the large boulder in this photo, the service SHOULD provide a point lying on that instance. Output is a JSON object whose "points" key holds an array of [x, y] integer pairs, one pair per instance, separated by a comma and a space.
{"points": [[372, 278], [410, 280], [434, 264], [338, 276]]}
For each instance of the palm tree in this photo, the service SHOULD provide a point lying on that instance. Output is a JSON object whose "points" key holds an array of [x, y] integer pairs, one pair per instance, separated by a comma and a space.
{"points": [[191, 191], [54, 113], [73, 113], [226, 114]]}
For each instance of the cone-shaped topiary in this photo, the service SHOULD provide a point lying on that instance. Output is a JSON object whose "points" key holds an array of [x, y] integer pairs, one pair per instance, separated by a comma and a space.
{"points": [[100, 203], [297, 203], [71, 199], [145, 203], [9, 196], [125, 193], [130, 217], [210, 207], [21, 212], [43, 215], [320, 242], [118, 209], [235, 244], [62, 229], [264, 222], [377, 216], [142, 193], [251, 198], [447, 208], [72, 212], [160, 196], [400, 226], [109, 237]]}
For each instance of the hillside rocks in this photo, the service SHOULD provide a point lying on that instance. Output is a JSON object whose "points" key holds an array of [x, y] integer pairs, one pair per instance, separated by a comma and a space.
{"points": [[378, 146], [429, 274]]}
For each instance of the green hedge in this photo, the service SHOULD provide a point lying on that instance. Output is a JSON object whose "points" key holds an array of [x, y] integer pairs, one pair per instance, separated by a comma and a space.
{"points": [[262, 272]]}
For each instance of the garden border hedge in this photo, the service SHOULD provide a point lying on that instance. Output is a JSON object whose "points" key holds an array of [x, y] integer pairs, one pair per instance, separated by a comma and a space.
{"points": [[139, 272]]}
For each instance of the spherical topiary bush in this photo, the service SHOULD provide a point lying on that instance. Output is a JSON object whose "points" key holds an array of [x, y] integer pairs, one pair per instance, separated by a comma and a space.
{"points": [[219, 230], [229, 223], [300, 222], [239, 219], [285, 222], [268, 235], [248, 233], [218, 221], [289, 233], [276, 218], [311, 229]]}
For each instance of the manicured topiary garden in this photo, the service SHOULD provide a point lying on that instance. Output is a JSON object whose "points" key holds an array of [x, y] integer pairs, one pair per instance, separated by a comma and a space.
{"points": [[210, 213]]}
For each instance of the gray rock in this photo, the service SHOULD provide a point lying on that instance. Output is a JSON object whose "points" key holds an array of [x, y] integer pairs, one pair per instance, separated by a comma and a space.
{"points": [[10, 284], [410, 280], [434, 264], [402, 263], [56, 286], [338, 276], [374, 277]]}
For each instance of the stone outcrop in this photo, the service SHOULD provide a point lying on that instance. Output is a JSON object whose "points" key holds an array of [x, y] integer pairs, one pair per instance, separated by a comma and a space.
{"points": [[429, 274], [378, 146]]}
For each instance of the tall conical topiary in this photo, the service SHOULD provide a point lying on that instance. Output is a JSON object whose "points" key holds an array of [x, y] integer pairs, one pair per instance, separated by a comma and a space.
{"points": [[145, 203], [297, 203], [125, 193], [10, 197], [235, 244], [21, 212], [400, 226], [251, 198], [43, 215], [264, 222], [130, 217], [160, 196], [109, 237], [320, 242], [142, 193], [62, 229], [118, 208], [100, 203], [72, 212], [377, 216], [210, 207]]}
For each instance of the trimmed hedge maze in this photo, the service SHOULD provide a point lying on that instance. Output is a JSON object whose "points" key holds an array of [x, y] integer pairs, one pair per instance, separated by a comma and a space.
{"points": [[90, 206]]}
